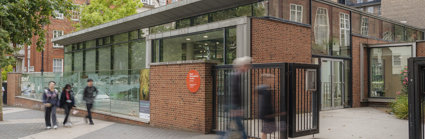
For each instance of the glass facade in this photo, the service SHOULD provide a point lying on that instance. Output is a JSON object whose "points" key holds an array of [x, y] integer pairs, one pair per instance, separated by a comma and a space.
{"points": [[386, 65], [201, 46]]}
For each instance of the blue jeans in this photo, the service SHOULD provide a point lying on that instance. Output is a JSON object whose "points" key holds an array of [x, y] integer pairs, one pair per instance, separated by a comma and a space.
{"points": [[240, 129]]}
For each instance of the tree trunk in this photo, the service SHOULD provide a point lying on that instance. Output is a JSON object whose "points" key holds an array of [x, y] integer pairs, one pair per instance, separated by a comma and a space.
{"points": [[1, 96]]}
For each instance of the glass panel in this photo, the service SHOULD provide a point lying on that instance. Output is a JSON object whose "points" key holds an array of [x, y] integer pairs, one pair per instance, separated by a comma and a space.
{"points": [[230, 45], [260, 9], [223, 15], [244, 10], [162, 28], [337, 83], [90, 60], [365, 26], [386, 66], [123, 37], [420, 35], [138, 54], [374, 28], [411, 35], [399, 33], [340, 33], [207, 46], [387, 31], [68, 63], [144, 33], [134, 35], [199, 20], [105, 59], [183, 23], [321, 32], [120, 59], [68, 48], [78, 61], [91, 44], [326, 84], [347, 80]]}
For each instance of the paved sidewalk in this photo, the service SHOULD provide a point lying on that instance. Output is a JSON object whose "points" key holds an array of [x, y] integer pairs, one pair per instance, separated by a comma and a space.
{"points": [[360, 123], [29, 124]]}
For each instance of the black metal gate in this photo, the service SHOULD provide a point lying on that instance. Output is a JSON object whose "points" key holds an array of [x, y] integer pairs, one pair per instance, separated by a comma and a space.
{"points": [[304, 105], [278, 76], [416, 76]]}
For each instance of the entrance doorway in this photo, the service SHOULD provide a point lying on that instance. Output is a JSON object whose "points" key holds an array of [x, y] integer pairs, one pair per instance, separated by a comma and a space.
{"points": [[333, 85]]}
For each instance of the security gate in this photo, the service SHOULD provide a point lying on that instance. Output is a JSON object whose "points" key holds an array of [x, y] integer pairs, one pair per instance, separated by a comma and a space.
{"points": [[416, 67], [294, 96]]}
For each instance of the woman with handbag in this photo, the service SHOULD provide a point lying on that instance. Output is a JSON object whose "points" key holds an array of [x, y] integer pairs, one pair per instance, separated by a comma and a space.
{"points": [[51, 101], [67, 102]]}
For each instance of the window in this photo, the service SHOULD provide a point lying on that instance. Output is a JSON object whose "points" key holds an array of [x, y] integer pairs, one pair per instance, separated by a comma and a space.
{"points": [[58, 15], [359, 1], [162, 2], [344, 29], [76, 13], [379, 9], [396, 60], [148, 2], [370, 10], [296, 13], [57, 33], [321, 32], [57, 65], [361, 9], [365, 26]]}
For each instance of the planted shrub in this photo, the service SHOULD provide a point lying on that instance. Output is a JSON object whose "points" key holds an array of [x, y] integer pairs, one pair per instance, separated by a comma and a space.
{"points": [[400, 107]]}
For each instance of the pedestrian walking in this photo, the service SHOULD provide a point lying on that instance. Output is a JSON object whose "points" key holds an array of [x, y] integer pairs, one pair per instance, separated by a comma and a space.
{"points": [[236, 129], [50, 101], [90, 93], [267, 111], [67, 102]]}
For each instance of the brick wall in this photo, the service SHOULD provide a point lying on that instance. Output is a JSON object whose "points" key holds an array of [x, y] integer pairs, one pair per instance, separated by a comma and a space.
{"points": [[410, 11], [13, 87], [277, 42], [172, 105], [357, 41], [420, 49]]}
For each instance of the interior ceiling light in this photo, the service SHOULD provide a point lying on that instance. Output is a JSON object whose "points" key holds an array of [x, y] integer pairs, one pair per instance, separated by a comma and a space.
{"points": [[187, 39], [205, 36]]}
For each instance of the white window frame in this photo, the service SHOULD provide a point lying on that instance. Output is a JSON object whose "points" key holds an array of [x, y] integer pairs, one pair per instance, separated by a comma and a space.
{"points": [[344, 35], [318, 26], [364, 26], [76, 11], [55, 65], [370, 10], [296, 14], [57, 33], [58, 15]]}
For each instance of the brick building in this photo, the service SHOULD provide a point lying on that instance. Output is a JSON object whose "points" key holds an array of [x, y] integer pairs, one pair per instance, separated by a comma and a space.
{"points": [[140, 62], [404, 11]]}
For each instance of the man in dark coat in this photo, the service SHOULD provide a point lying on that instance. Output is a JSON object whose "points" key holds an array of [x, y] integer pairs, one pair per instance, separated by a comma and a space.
{"points": [[90, 93]]}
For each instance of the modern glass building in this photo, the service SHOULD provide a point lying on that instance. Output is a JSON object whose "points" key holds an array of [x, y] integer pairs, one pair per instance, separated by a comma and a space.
{"points": [[118, 54]]}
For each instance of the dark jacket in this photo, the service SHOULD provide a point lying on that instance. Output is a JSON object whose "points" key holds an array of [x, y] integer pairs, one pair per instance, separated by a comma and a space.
{"points": [[236, 94], [51, 97], [64, 99], [265, 103], [90, 94]]}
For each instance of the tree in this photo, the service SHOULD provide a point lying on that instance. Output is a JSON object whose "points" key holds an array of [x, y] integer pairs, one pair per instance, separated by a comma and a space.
{"points": [[6, 70], [20, 22], [103, 11]]}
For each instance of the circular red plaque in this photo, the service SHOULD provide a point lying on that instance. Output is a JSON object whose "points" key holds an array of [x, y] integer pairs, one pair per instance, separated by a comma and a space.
{"points": [[193, 81]]}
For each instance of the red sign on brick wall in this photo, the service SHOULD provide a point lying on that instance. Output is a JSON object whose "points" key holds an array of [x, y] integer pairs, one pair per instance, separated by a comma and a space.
{"points": [[193, 81]]}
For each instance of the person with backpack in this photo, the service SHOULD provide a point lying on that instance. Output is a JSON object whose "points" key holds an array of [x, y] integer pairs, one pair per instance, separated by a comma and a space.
{"points": [[50, 102], [67, 102], [90, 93]]}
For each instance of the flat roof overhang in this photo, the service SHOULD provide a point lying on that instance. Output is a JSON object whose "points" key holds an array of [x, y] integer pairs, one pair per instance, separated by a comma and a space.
{"points": [[158, 16]]}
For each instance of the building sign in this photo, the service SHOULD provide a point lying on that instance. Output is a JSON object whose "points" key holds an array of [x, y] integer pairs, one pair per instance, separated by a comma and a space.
{"points": [[144, 95], [193, 81]]}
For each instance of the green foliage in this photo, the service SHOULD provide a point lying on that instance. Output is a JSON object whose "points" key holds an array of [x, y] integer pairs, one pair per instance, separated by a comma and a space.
{"points": [[103, 11], [21, 20], [6, 70], [400, 106]]}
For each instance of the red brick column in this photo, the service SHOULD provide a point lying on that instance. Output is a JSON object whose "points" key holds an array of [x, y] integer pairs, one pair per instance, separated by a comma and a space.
{"points": [[13, 87], [172, 105]]}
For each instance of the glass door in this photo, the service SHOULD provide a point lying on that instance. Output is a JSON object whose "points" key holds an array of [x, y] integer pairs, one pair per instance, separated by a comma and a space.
{"points": [[332, 77]]}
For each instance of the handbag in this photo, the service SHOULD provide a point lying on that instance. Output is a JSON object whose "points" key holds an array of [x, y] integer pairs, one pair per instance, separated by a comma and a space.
{"points": [[47, 105]]}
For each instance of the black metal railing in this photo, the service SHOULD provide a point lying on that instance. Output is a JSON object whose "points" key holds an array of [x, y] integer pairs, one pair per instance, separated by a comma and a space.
{"points": [[416, 89]]}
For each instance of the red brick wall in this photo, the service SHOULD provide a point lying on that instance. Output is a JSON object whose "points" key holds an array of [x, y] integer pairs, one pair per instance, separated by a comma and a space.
{"points": [[277, 42], [420, 49], [50, 53], [357, 41], [13, 87], [173, 106]]}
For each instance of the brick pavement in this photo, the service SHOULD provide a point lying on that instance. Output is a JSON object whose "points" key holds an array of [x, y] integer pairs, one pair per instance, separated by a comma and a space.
{"points": [[26, 123]]}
